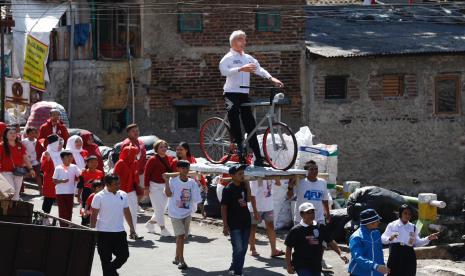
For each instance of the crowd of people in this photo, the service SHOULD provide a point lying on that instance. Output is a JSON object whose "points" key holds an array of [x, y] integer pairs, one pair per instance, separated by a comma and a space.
{"points": [[70, 169]]}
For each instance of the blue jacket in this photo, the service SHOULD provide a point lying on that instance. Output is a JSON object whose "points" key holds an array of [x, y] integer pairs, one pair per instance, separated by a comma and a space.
{"points": [[367, 252]]}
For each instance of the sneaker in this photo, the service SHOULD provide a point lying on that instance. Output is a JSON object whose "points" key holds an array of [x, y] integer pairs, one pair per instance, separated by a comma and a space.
{"points": [[46, 222], [140, 210], [230, 272], [175, 262], [165, 233], [326, 266], [135, 237], [260, 162], [150, 226], [182, 266]]}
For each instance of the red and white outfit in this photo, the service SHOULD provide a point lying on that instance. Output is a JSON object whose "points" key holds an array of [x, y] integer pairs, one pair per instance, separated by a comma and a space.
{"points": [[9, 163], [65, 191], [92, 148], [127, 170], [48, 168], [153, 178], [79, 155]]}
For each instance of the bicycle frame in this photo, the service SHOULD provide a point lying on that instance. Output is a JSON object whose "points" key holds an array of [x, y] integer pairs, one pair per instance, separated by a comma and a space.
{"points": [[269, 117]]}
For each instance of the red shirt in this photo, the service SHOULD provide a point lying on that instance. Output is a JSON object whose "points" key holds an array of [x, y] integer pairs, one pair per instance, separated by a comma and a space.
{"points": [[91, 175], [48, 168], [126, 170], [16, 156], [142, 153], [154, 169], [47, 129]]}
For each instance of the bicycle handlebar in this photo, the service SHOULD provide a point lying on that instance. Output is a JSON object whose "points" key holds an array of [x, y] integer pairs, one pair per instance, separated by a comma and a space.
{"points": [[261, 87], [272, 89]]}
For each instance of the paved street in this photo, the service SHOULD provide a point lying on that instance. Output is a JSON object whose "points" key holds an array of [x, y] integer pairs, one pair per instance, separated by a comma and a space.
{"points": [[208, 252]]}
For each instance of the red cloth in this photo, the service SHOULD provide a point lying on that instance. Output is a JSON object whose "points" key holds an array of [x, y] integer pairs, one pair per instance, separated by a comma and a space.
{"points": [[126, 170], [48, 168], [40, 148], [155, 169], [92, 148], [2, 128], [16, 156], [141, 148], [88, 176], [89, 201], [191, 160], [47, 129]]}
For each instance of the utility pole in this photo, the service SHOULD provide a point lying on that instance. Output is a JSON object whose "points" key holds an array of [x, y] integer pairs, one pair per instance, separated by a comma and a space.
{"points": [[4, 23]]}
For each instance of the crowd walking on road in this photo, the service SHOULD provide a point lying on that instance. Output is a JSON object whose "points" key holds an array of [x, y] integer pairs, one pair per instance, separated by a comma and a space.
{"points": [[70, 169]]}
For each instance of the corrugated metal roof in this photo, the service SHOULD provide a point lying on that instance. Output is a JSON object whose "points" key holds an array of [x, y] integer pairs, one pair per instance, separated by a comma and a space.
{"points": [[385, 30]]}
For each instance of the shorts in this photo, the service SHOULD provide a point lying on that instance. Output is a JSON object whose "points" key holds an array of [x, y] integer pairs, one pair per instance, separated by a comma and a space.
{"points": [[267, 216], [181, 226]]}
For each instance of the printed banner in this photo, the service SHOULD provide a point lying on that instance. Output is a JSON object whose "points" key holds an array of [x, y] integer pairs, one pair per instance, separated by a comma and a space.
{"points": [[34, 63]]}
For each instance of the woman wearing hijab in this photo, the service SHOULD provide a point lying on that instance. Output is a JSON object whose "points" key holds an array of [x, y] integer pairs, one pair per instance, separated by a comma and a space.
{"points": [[402, 236], [91, 147], [13, 156], [49, 160], [74, 145], [126, 170]]}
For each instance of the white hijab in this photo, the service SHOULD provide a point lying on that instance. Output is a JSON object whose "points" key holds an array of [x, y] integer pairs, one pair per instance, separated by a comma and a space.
{"points": [[54, 153], [71, 146]]}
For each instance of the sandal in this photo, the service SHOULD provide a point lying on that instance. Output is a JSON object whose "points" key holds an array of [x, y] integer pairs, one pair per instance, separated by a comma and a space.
{"points": [[278, 253], [254, 253]]}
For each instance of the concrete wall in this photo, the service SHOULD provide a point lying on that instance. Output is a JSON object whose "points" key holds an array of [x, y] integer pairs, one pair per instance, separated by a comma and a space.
{"points": [[397, 143]]}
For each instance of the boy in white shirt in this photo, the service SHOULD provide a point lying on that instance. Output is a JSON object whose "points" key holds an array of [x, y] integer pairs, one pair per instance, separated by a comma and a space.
{"points": [[183, 194], [65, 178], [30, 143], [262, 197]]}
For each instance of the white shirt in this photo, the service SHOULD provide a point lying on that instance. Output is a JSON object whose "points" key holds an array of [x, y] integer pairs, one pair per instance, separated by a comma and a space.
{"points": [[71, 173], [185, 196], [263, 193], [229, 67], [111, 210], [408, 234], [313, 192], [31, 150]]}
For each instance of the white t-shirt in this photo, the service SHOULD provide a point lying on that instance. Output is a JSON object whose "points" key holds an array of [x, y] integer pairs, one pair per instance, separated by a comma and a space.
{"points": [[185, 196], [71, 173], [263, 193], [313, 192], [111, 210], [31, 150]]}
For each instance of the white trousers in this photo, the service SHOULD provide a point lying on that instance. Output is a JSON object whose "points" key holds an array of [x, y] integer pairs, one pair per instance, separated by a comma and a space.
{"points": [[15, 181], [159, 202], [133, 207]]}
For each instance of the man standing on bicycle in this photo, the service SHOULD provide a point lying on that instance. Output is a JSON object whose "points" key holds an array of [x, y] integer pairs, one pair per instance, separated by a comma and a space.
{"points": [[236, 66]]}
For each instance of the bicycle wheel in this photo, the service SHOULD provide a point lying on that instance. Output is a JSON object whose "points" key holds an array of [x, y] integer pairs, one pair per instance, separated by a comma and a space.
{"points": [[282, 153], [215, 140]]}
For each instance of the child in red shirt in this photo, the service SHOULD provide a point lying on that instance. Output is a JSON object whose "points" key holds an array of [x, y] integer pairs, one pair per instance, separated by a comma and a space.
{"points": [[88, 176], [97, 186]]}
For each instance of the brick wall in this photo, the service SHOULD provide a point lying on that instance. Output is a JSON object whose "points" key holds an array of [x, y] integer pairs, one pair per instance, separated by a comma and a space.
{"points": [[186, 78]]}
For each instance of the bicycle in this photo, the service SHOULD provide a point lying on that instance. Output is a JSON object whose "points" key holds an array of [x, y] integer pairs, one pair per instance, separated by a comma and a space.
{"points": [[279, 144]]}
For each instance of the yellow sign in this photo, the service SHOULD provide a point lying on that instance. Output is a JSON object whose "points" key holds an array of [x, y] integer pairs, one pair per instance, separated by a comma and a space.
{"points": [[34, 64]]}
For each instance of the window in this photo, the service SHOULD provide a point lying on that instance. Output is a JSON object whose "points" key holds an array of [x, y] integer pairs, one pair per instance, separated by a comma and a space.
{"points": [[190, 22], [335, 87], [393, 86], [268, 21], [114, 119], [187, 117], [112, 32], [447, 95]]}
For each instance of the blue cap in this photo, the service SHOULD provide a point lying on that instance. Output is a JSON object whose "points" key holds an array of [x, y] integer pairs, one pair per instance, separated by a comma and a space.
{"points": [[368, 216]]}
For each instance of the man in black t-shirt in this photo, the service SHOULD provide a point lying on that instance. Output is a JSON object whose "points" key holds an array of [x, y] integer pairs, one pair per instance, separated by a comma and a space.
{"points": [[236, 217], [306, 239]]}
